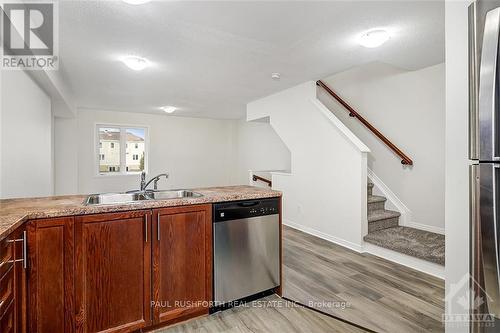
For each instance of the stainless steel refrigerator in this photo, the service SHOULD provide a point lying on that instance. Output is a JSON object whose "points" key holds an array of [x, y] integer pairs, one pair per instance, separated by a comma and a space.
{"points": [[484, 155]]}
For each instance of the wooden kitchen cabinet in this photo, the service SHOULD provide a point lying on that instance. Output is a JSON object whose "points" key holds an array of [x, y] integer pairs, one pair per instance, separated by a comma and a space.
{"points": [[113, 271], [108, 272], [50, 306], [182, 262]]}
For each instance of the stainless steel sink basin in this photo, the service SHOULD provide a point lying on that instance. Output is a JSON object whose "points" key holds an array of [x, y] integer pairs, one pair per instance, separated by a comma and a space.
{"points": [[122, 198], [114, 198], [172, 194]]}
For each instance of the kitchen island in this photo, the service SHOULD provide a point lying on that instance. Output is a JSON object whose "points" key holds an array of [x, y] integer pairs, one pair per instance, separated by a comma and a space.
{"points": [[70, 267]]}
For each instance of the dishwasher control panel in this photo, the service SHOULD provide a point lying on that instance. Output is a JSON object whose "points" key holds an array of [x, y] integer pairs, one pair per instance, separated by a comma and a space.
{"points": [[244, 209]]}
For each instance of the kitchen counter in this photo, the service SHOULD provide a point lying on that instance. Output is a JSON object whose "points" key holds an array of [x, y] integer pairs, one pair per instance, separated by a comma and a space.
{"points": [[14, 212]]}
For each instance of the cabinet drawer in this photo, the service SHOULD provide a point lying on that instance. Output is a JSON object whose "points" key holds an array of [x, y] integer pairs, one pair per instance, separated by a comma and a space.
{"points": [[6, 256], [7, 320], [6, 291]]}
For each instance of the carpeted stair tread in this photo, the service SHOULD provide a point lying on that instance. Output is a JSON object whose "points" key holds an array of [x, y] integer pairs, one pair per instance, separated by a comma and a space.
{"points": [[421, 244], [382, 215], [376, 198]]}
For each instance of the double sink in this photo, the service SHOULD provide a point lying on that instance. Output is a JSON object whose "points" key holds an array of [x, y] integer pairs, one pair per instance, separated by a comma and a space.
{"points": [[122, 198]]}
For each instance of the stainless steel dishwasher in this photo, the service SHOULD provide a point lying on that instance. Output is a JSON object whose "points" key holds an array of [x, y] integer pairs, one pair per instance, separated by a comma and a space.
{"points": [[246, 248]]}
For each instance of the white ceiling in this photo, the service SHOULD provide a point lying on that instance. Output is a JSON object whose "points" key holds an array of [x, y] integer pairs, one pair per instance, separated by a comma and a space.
{"points": [[211, 58]]}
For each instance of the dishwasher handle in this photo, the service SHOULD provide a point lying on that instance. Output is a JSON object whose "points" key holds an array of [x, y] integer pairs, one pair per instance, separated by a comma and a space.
{"points": [[248, 203]]}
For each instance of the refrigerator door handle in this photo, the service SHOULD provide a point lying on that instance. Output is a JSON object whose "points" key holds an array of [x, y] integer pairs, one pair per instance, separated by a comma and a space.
{"points": [[489, 177], [488, 104], [473, 85]]}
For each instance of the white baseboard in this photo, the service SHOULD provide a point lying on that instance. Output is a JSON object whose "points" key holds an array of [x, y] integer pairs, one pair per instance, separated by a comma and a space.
{"points": [[399, 258], [319, 234], [425, 227], [406, 260]]}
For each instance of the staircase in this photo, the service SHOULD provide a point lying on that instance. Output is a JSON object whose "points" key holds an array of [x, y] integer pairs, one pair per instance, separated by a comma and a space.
{"points": [[384, 231]]}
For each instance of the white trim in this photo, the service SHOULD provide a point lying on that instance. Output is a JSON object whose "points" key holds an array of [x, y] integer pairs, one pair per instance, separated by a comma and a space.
{"points": [[281, 173], [340, 126], [425, 227], [392, 199], [352, 246], [393, 256], [406, 260]]}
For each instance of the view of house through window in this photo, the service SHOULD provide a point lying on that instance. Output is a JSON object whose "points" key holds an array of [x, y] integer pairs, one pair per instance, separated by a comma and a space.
{"points": [[135, 149], [121, 149]]}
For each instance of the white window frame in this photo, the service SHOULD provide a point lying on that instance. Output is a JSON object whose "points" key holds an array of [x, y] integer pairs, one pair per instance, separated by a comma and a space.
{"points": [[123, 149]]}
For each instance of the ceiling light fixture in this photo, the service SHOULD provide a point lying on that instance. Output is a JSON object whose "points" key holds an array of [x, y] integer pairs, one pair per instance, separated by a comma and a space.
{"points": [[168, 108], [135, 63], [136, 2], [275, 76], [374, 38]]}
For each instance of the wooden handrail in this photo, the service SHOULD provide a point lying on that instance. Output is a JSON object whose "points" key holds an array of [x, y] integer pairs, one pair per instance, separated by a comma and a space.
{"points": [[404, 158], [256, 178]]}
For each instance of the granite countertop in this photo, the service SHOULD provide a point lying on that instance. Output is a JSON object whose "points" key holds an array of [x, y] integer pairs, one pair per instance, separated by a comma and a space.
{"points": [[14, 212]]}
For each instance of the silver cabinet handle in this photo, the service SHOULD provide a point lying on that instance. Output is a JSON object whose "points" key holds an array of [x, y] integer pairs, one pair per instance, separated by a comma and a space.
{"points": [[146, 226], [158, 226], [25, 250]]}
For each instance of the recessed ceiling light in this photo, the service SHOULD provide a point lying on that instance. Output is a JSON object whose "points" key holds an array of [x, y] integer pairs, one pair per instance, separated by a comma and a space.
{"points": [[168, 108], [136, 2], [135, 63], [275, 76], [374, 38]]}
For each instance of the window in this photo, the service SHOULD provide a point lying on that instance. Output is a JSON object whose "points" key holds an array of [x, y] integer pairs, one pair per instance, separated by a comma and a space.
{"points": [[121, 149]]}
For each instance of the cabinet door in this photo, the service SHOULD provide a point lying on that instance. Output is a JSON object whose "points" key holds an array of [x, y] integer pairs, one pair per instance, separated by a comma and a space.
{"points": [[50, 275], [182, 262], [113, 271]]}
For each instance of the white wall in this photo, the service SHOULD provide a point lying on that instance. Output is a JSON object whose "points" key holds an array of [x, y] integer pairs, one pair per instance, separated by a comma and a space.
{"points": [[326, 192], [457, 187], [257, 147], [66, 155], [408, 108], [26, 143], [196, 152]]}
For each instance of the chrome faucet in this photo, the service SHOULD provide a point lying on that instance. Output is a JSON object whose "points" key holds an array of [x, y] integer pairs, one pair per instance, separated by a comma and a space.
{"points": [[155, 180]]}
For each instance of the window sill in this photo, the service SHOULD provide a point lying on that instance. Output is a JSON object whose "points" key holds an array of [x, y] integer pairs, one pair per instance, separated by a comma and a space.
{"points": [[117, 174]]}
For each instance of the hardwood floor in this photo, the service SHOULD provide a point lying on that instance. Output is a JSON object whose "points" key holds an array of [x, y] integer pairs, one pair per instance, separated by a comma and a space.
{"points": [[272, 314], [381, 295]]}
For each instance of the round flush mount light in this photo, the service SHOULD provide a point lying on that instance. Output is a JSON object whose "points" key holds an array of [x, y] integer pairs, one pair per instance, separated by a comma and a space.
{"points": [[136, 2], [374, 38], [168, 108], [135, 63], [275, 76]]}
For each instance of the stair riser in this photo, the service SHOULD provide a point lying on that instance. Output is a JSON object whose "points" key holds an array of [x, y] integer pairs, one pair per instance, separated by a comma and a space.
{"points": [[383, 224], [375, 206]]}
